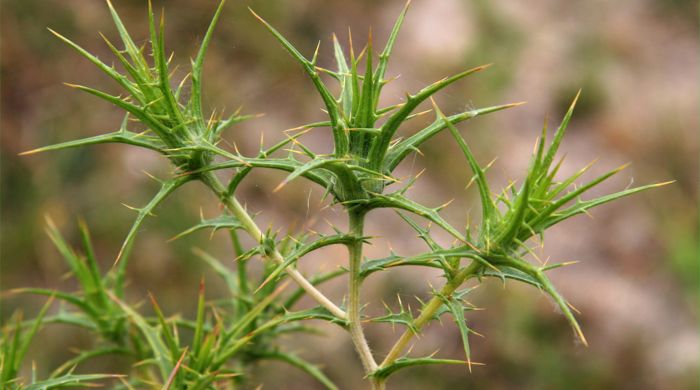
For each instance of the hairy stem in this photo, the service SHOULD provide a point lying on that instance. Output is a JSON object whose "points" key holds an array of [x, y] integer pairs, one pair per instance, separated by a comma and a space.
{"points": [[428, 312], [254, 231], [356, 226]]}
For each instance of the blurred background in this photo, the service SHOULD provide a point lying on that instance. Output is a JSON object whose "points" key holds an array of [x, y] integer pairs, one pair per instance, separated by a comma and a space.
{"points": [[637, 65]]}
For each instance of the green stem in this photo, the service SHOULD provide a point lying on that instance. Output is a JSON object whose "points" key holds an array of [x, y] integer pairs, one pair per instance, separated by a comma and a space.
{"points": [[254, 231], [356, 226], [428, 312]]}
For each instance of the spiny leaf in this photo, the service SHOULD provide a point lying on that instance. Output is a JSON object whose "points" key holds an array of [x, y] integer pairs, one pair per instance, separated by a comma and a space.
{"points": [[424, 234], [153, 337], [456, 308], [123, 137], [20, 344], [339, 137], [555, 205], [582, 207], [392, 124], [161, 61], [558, 136], [399, 201], [386, 53], [64, 296], [345, 78], [288, 165], [404, 362], [72, 380], [489, 210], [372, 266], [198, 66], [199, 321], [548, 287], [505, 272], [129, 44], [307, 167], [110, 71], [403, 317], [316, 313], [224, 221], [170, 338], [166, 189], [399, 151], [153, 123], [515, 217]]}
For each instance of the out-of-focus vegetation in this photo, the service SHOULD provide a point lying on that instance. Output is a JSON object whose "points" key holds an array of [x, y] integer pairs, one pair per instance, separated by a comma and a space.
{"points": [[635, 61]]}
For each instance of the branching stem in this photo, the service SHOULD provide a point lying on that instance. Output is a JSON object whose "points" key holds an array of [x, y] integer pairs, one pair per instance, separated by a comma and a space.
{"points": [[428, 312], [254, 231]]}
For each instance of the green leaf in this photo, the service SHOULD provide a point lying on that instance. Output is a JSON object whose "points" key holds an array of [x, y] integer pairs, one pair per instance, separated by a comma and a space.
{"points": [[147, 119], [171, 105], [371, 266], [166, 189], [398, 152], [339, 137], [489, 211], [345, 78], [456, 308], [224, 221], [548, 287], [554, 206], [316, 313], [170, 338], [82, 380], [288, 165], [77, 265], [199, 327], [198, 67], [308, 167], [584, 206], [380, 146], [15, 350], [424, 234], [129, 45], [402, 317], [110, 71], [515, 217], [506, 272], [385, 54], [398, 201], [153, 337], [404, 362], [122, 137], [558, 136], [68, 297]]}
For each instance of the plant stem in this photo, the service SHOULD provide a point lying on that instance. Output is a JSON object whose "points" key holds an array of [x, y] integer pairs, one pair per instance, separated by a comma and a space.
{"points": [[254, 231], [428, 312], [356, 226]]}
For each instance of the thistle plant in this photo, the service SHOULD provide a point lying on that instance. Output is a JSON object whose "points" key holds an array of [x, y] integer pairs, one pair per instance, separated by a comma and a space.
{"points": [[228, 335]]}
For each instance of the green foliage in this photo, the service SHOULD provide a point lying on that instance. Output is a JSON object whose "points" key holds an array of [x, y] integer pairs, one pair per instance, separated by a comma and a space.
{"points": [[228, 335]]}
